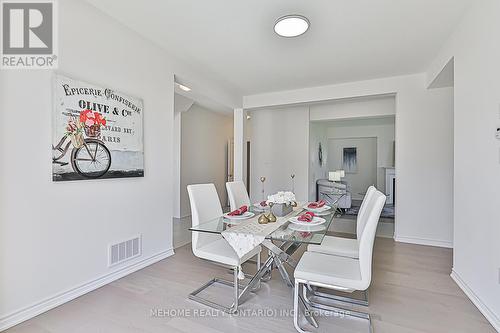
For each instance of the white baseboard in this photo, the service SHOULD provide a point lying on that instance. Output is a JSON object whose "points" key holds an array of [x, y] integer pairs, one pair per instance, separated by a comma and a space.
{"points": [[35, 309], [424, 241], [485, 310]]}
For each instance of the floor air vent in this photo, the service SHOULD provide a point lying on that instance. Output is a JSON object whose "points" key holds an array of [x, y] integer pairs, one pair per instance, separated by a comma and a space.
{"points": [[125, 250]]}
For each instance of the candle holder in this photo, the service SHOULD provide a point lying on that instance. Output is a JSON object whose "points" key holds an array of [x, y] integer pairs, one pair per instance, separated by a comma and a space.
{"points": [[293, 182], [271, 217], [262, 180]]}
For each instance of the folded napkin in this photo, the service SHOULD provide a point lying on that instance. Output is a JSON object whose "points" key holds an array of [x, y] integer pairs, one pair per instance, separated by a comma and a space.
{"points": [[238, 211], [317, 204], [306, 217], [305, 234], [263, 203]]}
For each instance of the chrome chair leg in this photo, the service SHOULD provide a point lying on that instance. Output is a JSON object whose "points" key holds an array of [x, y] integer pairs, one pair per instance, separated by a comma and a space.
{"points": [[253, 285], [296, 310], [338, 298], [236, 287], [351, 313], [234, 308], [194, 295], [328, 308]]}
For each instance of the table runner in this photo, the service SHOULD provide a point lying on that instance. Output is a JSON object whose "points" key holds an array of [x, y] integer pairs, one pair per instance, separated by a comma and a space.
{"points": [[248, 234]]}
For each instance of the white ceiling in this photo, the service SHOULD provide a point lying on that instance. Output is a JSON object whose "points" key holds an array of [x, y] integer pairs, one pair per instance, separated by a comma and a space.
{"points": [[196, 97], [349, 40]]}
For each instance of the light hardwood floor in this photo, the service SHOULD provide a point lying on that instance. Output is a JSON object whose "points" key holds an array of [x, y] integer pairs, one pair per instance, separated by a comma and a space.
{"points": [[411, 292]]}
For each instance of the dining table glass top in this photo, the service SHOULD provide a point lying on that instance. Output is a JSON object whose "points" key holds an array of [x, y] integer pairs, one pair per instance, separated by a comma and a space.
{"points": [[288, 232]]}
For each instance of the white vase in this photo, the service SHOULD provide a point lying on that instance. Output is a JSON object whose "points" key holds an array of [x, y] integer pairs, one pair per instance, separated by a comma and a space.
{"points": [[282, 209]]}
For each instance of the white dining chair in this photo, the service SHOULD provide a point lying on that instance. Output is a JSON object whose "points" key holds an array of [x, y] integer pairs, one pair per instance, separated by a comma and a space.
{"points": [[341, 246], [205, 206], [345, 247], [340, 273], [237, 194]]}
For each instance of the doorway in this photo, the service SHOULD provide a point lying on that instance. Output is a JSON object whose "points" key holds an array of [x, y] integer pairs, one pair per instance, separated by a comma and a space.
{"points": [[203, 140], [361, 170]]}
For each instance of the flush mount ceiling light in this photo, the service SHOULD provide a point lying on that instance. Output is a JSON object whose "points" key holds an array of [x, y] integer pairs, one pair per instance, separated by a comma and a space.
{"points": [[183, 87], [291, 25]]}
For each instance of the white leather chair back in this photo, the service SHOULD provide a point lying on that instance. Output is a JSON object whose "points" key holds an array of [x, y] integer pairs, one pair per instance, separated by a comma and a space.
{"points": [[360, 222], [237, 194], [205, 206], [372, 215]]}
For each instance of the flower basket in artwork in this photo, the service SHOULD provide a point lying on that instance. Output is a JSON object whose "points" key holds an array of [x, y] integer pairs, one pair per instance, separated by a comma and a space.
{"points": [[92, 122], [93, 131]]}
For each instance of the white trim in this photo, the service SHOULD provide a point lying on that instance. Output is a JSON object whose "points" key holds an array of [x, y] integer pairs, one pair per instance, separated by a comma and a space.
{"points": [[424, 241], [239, 120], [49, 303], [483, 308]]}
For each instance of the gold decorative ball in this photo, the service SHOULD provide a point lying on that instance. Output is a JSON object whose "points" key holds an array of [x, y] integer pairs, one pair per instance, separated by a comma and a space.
{"points": [[271, 217], [263, 219]]}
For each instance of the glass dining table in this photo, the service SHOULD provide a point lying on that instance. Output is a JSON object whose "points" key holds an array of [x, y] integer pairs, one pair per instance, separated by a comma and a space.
{"points": [[282, 244], [288, 232]]}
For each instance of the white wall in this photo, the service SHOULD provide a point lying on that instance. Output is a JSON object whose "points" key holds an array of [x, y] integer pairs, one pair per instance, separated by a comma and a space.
{"points": [[349, 108], [383, 129], [317, 135], [366, 151], [279, 147], [475, 48], [181, 104], [424, 165], [424, 148], [371, 116], [239, 149], [54, 237], [204, 138]]}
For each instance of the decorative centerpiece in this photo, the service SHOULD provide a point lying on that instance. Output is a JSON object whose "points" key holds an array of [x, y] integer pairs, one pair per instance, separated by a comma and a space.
{"points": [[281, 203]]}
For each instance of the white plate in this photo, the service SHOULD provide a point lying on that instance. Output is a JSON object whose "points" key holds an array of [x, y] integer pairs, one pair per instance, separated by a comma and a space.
{"points": [[317, 210], [260, 208], [316, 221], [244, 216]]}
